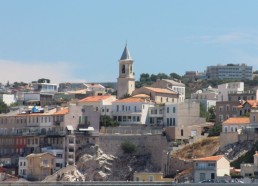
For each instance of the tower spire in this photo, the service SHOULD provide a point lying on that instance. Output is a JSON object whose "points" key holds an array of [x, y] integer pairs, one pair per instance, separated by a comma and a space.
{"points": [[126, 53]]}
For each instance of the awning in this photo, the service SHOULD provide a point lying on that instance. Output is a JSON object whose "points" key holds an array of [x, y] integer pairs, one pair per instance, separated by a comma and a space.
{"points": [[86, 129], [69, 127]]}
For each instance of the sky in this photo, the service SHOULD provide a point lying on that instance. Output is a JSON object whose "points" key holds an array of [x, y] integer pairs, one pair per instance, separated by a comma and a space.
{"points": [[82, 40]]}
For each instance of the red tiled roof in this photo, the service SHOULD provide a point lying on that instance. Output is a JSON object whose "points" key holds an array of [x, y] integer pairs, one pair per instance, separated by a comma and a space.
{"points": [[2, 169], [161, 90], [210, 158], [130, 100], [253, 103], [141, 96], [237, 120], [95, 98], [63, 111]]}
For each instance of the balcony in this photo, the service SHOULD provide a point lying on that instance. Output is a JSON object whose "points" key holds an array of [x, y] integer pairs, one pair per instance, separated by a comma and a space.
{"points": [[57, 123], [56, 133], [204, 168], [71, 145]]}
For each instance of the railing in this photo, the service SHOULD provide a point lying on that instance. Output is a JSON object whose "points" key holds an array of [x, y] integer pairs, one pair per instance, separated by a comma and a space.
{"points": [[205, 168]]}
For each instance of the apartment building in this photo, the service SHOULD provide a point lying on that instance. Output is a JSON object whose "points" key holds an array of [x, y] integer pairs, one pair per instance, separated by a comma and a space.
{"points": [[131, 110], [180, 120], [45, 87], [230, 71], [40, 165], [8, 99], [207, 96], [229, 88], [183, 120], [102, 103], [210, 168], [158, 95], [27, 131], [250, 169], [173, 85]]}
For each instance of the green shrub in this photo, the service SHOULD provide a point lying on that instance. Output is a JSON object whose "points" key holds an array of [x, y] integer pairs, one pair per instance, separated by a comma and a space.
{"points": [[128, 147]]}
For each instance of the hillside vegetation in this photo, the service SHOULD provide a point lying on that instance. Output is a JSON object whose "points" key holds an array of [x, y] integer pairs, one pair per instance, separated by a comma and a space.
{"points": [[199, 149]]}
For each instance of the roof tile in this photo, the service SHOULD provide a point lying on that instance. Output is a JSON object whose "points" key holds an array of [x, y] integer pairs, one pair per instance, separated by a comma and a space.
{"points": [[237, 120], [210, 158]]}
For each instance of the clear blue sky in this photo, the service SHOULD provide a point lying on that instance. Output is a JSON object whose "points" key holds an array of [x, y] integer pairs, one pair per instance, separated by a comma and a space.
{"points": [[83, 40]]}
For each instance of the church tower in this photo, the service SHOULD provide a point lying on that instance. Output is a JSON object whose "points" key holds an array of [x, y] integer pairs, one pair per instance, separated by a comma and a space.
{"points": [[125, 81]]}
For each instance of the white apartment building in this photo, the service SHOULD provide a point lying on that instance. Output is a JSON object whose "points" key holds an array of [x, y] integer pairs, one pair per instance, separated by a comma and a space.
{"points": [[45, 87], [230, 71], [131, 110], [229, 88], [22, 167], [207, 97], [102, 103], [8, 99]]}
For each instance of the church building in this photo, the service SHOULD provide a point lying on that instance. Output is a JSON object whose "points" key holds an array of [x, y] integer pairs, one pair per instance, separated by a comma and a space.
{"points": [[126, 80]]}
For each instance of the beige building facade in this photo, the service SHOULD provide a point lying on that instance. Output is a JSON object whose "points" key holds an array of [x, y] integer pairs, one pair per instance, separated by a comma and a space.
{"points": [[40, 165]]}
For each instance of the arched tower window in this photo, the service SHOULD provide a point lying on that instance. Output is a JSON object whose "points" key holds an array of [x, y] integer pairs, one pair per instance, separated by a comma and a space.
{"points": [[123, 69]]}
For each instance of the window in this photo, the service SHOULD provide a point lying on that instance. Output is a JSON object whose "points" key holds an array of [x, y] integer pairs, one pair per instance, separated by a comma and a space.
{"points": [[167, 109], [138, 118], [221, 108], [123, 69], [182, 132], [151, 178], [174, 109], [227, 107], [117, 108]]}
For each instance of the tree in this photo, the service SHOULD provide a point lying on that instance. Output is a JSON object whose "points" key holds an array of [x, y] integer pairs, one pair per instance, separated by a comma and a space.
{"points": [[203, 112], [175, 76], [162, 76], [211, 114], [128, 147], [153, 77], [215, 130], [43, 80], [107, 121], [3, 107]]}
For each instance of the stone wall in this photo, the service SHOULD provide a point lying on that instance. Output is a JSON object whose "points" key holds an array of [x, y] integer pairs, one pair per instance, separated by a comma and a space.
{"points": [[228, 138], [153, 144]]}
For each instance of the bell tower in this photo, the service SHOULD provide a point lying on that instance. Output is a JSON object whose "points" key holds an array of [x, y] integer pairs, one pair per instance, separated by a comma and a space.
{"points": [[125, 81]]}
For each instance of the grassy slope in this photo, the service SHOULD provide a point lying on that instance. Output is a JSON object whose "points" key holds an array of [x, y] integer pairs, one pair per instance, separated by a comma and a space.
{"points": [[202, 148]]}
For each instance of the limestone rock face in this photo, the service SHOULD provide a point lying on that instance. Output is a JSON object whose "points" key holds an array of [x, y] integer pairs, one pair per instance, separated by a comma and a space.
{"points": [[96, 166]]}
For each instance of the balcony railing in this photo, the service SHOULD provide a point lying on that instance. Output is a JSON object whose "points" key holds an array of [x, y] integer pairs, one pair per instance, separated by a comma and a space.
{"points": [[205, 168]]}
